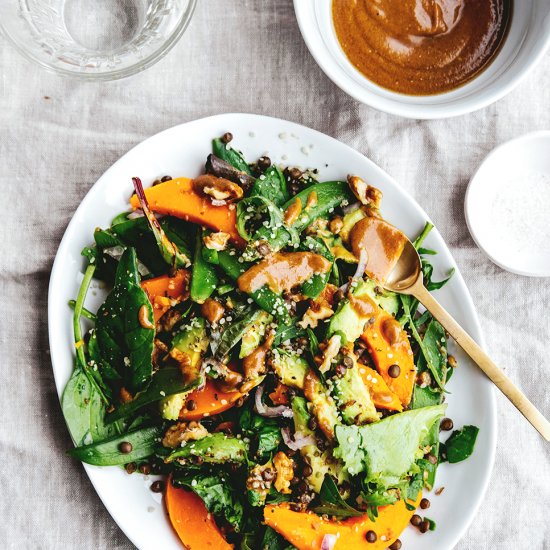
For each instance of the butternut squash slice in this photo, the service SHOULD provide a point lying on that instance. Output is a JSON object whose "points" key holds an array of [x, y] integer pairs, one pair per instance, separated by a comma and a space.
{"points": [[381, 395], [192, 522], [161, 290], [177, 198], [306, 530], [388, 344], [209, 401]]}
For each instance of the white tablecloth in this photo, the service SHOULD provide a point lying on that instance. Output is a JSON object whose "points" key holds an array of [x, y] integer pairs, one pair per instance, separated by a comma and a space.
{"points": [[57, 136]]}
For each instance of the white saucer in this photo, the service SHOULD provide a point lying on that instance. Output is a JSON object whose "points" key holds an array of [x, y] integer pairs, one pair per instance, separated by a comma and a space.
{"points": [[514, 234]]}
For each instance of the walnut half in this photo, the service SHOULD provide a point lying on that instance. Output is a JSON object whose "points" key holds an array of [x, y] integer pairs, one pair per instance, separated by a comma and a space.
{"points": [[365, 193]]}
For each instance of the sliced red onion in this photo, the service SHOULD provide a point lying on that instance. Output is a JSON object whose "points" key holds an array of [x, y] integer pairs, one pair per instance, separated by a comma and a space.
{"points": [[135, 214], [264, 410], [351, 207], [328, 542], [211, 363], [298, 441], [116, 253], [359, 272], [361, 265]]}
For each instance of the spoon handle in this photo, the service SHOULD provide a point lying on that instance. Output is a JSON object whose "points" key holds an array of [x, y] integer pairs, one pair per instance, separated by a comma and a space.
{"points": [[484, 362]]}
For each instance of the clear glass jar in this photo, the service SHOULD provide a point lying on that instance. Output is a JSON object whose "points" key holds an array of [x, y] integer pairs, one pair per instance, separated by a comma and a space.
{"points": [[95, 39]]}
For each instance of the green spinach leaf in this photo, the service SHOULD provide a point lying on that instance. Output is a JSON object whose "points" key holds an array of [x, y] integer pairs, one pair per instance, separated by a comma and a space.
{"points": [[124, 342], [461, 444], [217, 493], [108, 453], [332, 502]]}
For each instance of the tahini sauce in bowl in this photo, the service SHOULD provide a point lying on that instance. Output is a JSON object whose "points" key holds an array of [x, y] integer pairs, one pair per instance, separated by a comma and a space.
{"points": [[421, 47]]}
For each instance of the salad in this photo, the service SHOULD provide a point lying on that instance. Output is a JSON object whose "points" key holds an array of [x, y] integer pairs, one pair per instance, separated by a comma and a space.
{"points": [[248, 353]]}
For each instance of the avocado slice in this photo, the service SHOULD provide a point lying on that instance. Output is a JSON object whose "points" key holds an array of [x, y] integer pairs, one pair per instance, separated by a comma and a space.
{"points": [[323, 406], [290, 368], [216, 448], [349, 322], [386, 450], [322, 463], [192, 341], [254, 333], [353, 397]]}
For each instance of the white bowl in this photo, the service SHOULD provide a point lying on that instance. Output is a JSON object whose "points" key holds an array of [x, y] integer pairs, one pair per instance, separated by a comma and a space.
{"points": [[520, 162], [527, 41]]}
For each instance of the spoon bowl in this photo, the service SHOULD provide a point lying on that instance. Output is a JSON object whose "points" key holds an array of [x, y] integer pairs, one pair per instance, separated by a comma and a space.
{"points": [[407, 272]]}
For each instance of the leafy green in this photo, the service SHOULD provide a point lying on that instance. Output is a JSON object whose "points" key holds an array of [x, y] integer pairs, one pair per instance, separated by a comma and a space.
{"points": [[233, 334], [460, 444], [386, 450], [217, 493], [108, 453], [125, 344], [332, 502], [203, 278], [229, 154], [273, 541], [165, 382], [313, 287], [265, 433], [79, 404], [271, 185], [216, 448], [257, 213]]}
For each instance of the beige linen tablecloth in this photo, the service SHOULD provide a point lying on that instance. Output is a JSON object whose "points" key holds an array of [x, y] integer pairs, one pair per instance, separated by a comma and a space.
{"points": [[57, 136]]}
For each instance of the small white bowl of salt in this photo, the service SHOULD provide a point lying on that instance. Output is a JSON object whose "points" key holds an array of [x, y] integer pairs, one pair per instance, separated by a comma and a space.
{"points": [[507, 205]]}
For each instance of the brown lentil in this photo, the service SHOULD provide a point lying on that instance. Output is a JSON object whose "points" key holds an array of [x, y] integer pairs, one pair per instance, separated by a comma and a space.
{"points": [[264, 163], [424, 526], [145, 469], [125, 447], [157, 486], [227, 137], [165, 178], [295, 173], [396, 545], [130, 467], [191, 405], [371, 536], [307, 471], [446, 425], [416, 520], [348, 362], [424, 504], [394, 371]]}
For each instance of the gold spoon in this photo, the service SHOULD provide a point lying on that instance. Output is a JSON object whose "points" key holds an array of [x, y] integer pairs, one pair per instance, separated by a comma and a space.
{"points": [[406, 278]]}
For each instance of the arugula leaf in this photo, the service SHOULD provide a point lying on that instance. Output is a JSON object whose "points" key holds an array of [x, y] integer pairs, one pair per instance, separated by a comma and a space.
{"points": [[124, 343], [217, 493], [332, 502], [461, 444]]}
